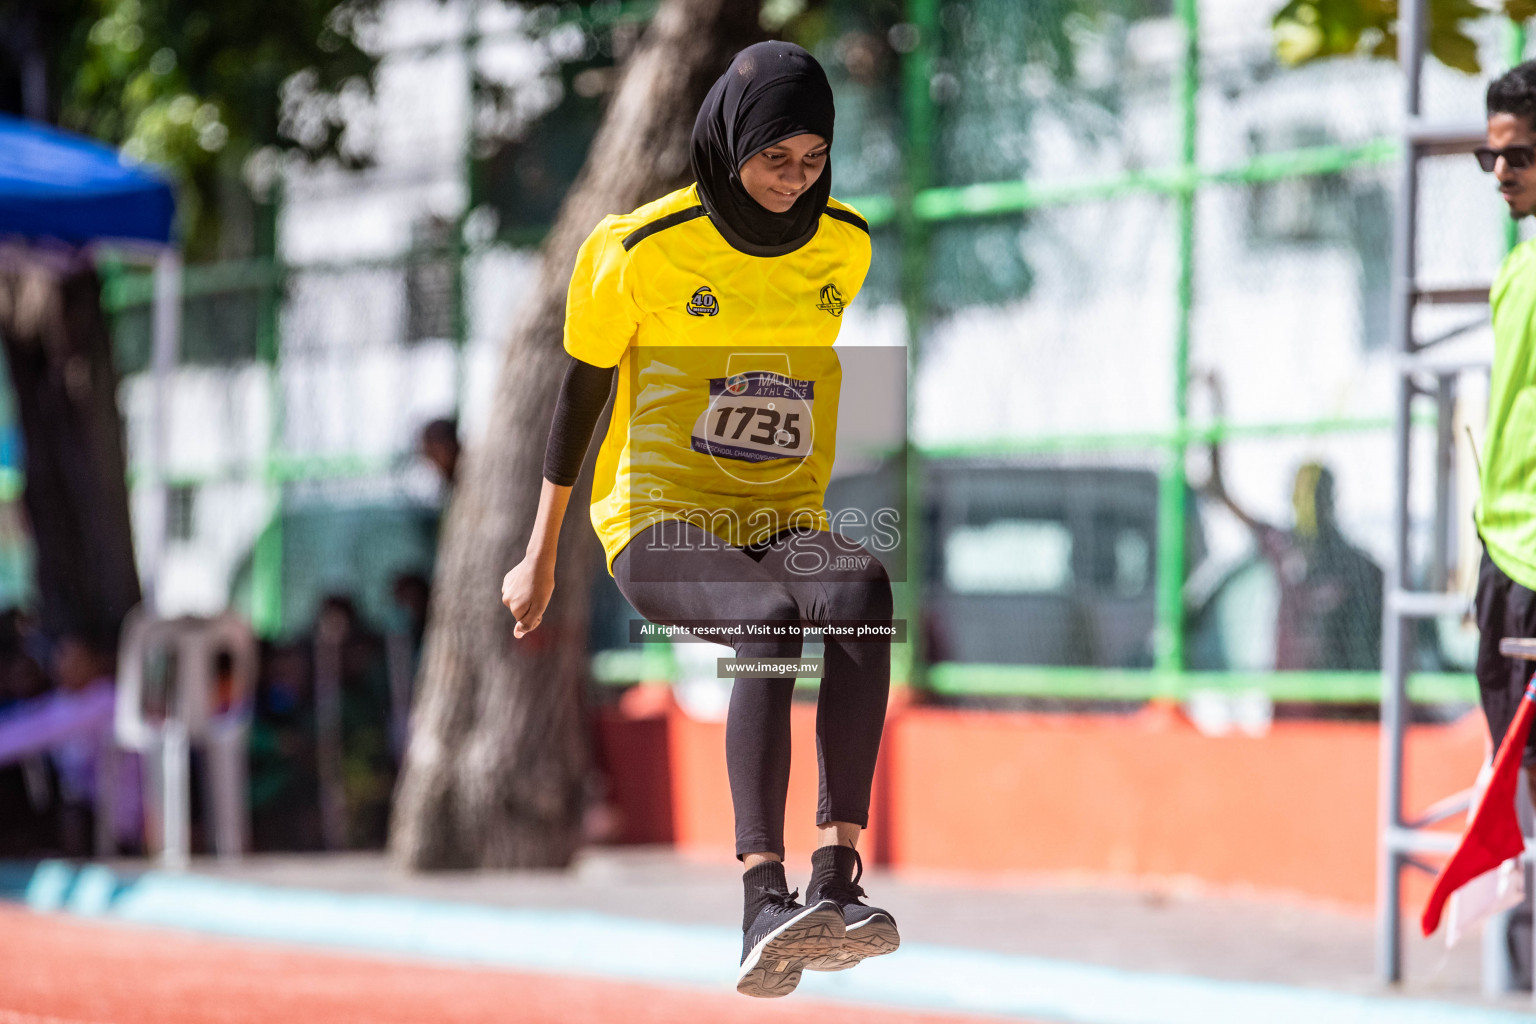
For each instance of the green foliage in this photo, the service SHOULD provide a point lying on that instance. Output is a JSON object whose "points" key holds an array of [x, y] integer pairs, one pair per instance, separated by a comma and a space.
{"points": [[1309, 30], [198, 88]]}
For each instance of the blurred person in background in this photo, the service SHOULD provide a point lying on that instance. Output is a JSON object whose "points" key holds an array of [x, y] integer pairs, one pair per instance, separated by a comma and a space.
{"points": [[411, 593], [28, 811], [1506, 509], [1330, 590], [285, 807], [226, 696], [439, 445], [367, 762], [754, 256], [21, 675], [73, 726], [292, 737]]}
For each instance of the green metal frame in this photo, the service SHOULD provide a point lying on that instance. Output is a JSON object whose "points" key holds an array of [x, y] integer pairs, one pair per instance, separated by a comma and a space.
{"points": [[1001, 198], [1172, 515], [267, 559], [1101, 684], [653, 664], [918, 205], [910, 661]]}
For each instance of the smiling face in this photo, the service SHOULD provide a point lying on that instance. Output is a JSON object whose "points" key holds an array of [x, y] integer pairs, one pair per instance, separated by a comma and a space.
{"points": [[1517, 186], [784, 171]]}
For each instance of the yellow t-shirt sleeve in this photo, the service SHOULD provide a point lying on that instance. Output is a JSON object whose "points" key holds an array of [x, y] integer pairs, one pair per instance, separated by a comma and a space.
{"points": [[859, 253], [600, 311], [859, 266]]}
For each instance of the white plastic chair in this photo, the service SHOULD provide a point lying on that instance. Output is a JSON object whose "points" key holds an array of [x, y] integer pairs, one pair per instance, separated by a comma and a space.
{"points": [[165, 736]]}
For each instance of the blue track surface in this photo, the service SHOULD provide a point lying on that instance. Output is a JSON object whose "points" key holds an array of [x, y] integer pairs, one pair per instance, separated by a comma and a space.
{"points": [[918, 977]]}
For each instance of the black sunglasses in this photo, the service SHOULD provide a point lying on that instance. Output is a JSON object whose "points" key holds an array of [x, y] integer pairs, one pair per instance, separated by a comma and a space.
{"points": [[1518, 157]]}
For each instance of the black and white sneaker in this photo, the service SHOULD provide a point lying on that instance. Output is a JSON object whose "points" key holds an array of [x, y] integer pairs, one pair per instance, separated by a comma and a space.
{"points": [[868, 931], [782, 935]]}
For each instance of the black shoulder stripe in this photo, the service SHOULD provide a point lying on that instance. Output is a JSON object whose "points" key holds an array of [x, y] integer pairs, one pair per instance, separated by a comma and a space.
{"points": [[671, 220], [848, 217]]}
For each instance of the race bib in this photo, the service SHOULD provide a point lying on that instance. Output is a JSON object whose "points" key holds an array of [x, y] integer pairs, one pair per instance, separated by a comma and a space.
{"points": [[755, 417]]}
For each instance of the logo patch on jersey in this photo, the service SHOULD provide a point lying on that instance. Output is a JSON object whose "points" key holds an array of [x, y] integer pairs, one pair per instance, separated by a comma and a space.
{"points": [[831, 300], [704, 303]]}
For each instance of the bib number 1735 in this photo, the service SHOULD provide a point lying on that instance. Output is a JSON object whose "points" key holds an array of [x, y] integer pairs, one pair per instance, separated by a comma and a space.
{"points": [[755, 417]]}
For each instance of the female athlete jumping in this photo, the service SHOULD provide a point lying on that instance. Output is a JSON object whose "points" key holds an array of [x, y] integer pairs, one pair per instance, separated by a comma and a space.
{"points": [[717, 307]]}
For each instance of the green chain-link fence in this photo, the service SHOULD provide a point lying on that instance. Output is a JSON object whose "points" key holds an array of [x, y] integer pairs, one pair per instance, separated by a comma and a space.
{"points": [[1115, 244]]}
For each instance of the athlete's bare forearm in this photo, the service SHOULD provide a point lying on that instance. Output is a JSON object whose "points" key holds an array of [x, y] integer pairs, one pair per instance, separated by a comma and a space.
{"points": [[527, 588], [553, 499]]}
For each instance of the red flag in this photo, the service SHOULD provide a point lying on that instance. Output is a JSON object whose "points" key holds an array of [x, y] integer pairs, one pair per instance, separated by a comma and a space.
{"points": [[1494, 834]]}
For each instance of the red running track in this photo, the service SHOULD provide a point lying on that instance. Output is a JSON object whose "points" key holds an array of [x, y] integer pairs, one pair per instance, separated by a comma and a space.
{"points": [[61, 970]]}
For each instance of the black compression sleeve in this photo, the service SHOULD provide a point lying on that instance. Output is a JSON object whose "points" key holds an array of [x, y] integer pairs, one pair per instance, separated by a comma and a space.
{"points": [[583, 394]]}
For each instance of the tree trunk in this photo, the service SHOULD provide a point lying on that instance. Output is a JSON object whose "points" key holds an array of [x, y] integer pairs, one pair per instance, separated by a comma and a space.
{"points": [[497, 768], [76, 497]]}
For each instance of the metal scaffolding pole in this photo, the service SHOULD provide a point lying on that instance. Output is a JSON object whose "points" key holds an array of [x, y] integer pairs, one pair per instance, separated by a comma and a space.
{"points": [[1402, 838], [1389, 953]]}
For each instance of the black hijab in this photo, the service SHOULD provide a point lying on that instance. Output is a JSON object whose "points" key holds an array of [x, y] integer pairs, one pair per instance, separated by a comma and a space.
{"points": [[772, 91]]}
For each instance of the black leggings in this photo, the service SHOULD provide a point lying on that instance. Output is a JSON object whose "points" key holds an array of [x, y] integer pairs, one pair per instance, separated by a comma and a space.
{"points": [[676, 573], [1504, 608]]}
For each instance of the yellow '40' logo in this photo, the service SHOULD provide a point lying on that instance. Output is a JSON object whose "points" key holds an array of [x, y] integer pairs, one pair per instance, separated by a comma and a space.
{"points": [[703, 303]]}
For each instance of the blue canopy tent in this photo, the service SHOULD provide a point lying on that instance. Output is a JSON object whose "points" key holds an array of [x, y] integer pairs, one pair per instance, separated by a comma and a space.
{"points": [[57, 185], [63, 188]]}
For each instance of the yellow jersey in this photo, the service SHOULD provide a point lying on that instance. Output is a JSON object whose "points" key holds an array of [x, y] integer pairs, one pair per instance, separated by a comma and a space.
{"points": [[726, 407]]}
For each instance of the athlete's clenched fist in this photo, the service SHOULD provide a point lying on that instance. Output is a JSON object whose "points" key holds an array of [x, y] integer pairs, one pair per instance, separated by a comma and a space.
{"points": [[526, 591]]}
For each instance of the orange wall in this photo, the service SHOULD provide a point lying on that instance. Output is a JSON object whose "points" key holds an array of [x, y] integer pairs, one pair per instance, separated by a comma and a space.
{"points": [[1123, 796], [1294, 810], [701, 794]]}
